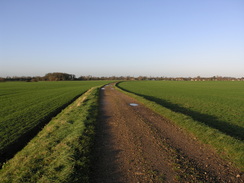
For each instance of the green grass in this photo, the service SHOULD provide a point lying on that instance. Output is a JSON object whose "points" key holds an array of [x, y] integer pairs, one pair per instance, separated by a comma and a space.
{"points": [[212, 111], [61, 151], [24, 105]]}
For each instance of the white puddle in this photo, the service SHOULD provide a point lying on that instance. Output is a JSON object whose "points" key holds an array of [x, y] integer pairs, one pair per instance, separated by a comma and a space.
{"points": [[102, 88], [133, 104]]}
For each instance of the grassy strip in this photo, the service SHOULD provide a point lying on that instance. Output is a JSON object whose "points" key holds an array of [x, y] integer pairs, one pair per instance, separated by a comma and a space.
{"points": [[61, 151], [228, 147], [216, 104], [26, 107]]}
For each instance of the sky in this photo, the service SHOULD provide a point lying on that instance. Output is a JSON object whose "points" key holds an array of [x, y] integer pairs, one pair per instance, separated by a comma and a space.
{"points": [[170, 38]]}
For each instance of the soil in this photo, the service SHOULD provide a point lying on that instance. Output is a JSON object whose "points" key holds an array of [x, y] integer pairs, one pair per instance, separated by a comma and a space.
{"points": [[134, 144]]}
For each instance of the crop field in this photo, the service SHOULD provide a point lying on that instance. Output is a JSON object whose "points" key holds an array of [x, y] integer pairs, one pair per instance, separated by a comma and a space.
{"points": [[212, 111], [217, 104], [24, 105], [83, 125], [61, 151]]}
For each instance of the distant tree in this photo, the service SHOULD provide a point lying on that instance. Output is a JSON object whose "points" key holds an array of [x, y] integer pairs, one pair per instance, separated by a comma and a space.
{"points": [[2, 79], [58, 76]]}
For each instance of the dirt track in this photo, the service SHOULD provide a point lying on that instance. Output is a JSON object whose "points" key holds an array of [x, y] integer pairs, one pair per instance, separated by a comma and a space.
{"points": [[133, 144]]}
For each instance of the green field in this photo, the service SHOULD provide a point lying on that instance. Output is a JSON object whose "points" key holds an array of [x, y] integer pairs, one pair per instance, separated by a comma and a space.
{"points": [[217, 104], [61, 152], [211, 111], [24, 106]]}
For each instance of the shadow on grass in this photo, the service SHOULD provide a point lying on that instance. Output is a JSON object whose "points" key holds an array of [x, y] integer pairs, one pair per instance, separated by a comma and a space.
{"points": [[209, 120], [10, 150]]}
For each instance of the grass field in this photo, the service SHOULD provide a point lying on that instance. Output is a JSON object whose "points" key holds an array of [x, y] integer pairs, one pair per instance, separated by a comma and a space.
{"points": [[213, 111], [61, 151], [217, 104], [24, 106]]}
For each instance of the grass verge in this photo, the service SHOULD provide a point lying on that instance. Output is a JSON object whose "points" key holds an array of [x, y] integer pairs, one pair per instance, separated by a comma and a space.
{"points": [[228, 147], [61, 151]]}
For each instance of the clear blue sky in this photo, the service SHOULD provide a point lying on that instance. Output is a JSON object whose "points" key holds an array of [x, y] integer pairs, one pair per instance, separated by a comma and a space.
{"points": [[128, 37]]}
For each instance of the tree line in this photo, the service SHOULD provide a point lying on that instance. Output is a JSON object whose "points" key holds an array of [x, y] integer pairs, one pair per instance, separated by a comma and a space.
{"points": [[55, 76], [58, 76]]}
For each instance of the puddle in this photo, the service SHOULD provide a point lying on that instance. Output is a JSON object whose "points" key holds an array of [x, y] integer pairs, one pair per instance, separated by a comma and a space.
{"points": [[102, 88], [133, 104]]}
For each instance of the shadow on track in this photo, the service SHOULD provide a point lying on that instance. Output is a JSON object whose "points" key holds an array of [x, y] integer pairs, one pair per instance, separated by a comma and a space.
{"points": [[103, 166]]}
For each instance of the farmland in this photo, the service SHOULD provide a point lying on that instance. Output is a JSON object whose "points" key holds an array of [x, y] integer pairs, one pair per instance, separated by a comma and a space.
{"points": [[98, 134], [217, 104], [212, 111], [26, 106], [61, 151]]}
